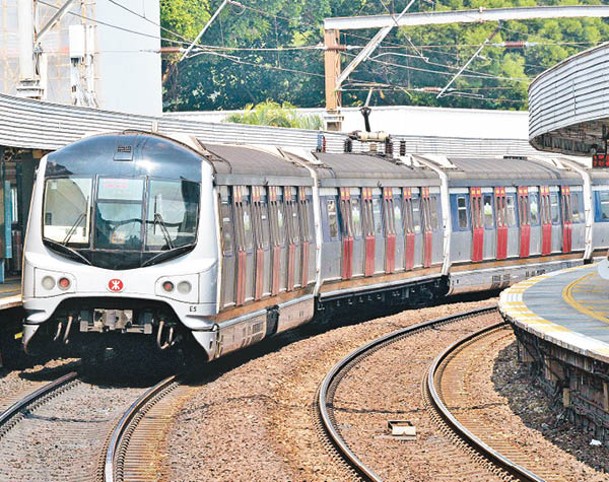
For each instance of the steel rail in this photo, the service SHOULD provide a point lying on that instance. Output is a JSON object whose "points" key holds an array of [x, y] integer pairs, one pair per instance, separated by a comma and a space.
{"points": [[35, 396], [472, 440], [341, 368], [124, 428]]}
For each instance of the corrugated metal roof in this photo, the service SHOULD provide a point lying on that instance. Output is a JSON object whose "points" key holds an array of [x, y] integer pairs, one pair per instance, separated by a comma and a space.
{"points": [[27, 123], [569, 103]]}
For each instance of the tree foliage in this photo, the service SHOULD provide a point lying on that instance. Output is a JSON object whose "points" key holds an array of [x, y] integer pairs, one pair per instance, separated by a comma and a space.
{"points": [[269, 113], [272, 49]]}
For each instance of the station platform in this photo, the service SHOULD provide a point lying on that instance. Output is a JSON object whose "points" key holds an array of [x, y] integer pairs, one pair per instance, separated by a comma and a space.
{"points": [[10, 293], [568, 308]]}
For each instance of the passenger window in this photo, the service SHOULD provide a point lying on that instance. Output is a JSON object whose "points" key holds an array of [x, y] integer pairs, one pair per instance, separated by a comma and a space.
{"points": [[603, 197], [247, 225], [397, 214], [264, 219], [377, 216], [356, 217], [554, 208], [534, 208], [332, 218], [433, 211], [303, 207], [388, 212], [488, 211], [416, 214], [462, 212], [500, 210], [578, 216], [510, 204], [227, 227], [344, 218]]}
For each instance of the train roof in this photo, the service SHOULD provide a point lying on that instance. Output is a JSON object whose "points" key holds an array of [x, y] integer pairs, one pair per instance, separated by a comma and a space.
{"points": [[344, 170], [240, 165], [508, 172]]}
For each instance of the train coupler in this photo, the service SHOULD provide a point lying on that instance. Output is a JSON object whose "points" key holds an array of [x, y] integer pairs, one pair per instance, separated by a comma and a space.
{"points": [[165, 342]]}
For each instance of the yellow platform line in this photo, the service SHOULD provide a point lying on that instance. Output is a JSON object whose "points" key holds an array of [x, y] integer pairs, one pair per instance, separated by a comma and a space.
{"points": [[567, 294]]}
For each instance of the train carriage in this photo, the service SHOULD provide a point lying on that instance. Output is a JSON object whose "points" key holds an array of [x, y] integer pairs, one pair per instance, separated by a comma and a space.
{"points": [[173, 238]]}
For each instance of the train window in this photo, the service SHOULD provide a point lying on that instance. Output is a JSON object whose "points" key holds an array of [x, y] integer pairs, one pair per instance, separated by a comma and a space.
{"points": [[292, 212], [356, 217], [510, 209], [388, 216], [434, 212], [279, 214], [397, 214], [408, 227], [603, 203], [416, 214], [576, 205], [248, 237], [462, 212], [332, 218], [554, 208], [303, 208], [487, 201], [500, 211], [264, 220], [534, 208], [377, 216], [523, 209], [227, 227], [345, 217], [67, 210]]}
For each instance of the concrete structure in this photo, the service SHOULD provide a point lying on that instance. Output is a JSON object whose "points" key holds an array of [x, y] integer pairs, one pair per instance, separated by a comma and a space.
{"points": [[99, 54]]}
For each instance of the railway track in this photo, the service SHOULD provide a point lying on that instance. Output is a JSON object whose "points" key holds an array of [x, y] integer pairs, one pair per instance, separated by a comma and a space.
{"points": [[486, 461], [60, 431]]}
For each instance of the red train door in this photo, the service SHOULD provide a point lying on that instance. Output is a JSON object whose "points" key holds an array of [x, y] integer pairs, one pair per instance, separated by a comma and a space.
{"points": [[347, 251], [501, 222], [427, 228], [408, 230], [369, 238], [546, 220], [475, 197], [390, 237], [525, 223], [565, 194]]}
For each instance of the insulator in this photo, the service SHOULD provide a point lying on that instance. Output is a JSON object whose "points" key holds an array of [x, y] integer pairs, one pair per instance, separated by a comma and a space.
{"points": [[402, 148]]}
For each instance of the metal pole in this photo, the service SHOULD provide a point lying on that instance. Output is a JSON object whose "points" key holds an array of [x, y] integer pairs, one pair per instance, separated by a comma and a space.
{"points": [[25, 18]]}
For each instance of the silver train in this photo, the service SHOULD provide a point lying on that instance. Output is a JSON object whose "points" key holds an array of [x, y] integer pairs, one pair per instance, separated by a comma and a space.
{"points": [[221, 246]]}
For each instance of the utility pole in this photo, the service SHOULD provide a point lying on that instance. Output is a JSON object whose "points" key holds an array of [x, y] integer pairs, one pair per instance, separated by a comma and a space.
{"points": [[29, 81]]}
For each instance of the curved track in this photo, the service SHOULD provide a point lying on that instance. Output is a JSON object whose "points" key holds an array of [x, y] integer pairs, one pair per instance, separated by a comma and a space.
{"points": [[465, 426], [329, 385]]}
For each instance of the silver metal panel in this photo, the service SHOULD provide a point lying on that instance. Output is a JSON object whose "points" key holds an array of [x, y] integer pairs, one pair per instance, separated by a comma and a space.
{"points": [[241, 332], [489, 250], [495, 278], [578, 240], [331, 257], [556, 238], [535, 243], [295, 313], [418, 250], [461, 246], [399, 249], [358, 257], [513, 244], [228, 281]]}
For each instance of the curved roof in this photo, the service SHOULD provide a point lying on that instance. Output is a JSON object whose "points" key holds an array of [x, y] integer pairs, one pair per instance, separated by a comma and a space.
{"points": [[568, 104]]}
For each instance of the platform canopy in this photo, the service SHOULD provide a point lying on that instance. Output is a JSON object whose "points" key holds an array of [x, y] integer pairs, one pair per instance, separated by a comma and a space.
{"points": [[569, 105]]}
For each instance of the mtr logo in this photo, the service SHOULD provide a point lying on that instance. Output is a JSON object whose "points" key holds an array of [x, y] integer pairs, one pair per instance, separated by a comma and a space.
{"points": [[116, 285]]}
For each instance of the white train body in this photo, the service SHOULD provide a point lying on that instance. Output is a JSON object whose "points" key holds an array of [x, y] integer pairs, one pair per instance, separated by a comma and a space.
{"points": [[140, 234]]}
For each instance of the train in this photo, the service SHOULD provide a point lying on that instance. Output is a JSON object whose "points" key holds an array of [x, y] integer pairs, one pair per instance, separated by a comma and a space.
{"points": [[171, 238]]}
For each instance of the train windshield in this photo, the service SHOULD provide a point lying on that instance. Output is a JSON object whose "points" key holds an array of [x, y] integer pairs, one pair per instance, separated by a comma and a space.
{"points": [[120, 223]]}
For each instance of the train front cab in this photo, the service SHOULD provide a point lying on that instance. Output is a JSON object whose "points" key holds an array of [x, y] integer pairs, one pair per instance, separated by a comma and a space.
{"points": [[510, 229]]}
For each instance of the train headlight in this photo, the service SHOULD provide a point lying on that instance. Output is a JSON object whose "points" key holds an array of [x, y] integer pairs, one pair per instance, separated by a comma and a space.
{"points": [[48, 283], [184, 287], [168, 286], [64, 283]]}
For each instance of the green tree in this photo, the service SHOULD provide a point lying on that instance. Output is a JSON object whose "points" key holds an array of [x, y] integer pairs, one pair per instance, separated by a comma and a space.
{"points": [[269, 113]]}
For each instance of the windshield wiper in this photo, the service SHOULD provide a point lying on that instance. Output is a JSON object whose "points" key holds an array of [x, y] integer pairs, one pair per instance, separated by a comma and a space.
{"points": [[65, 249], [72, 230], [158, 219], [168, 254]]}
